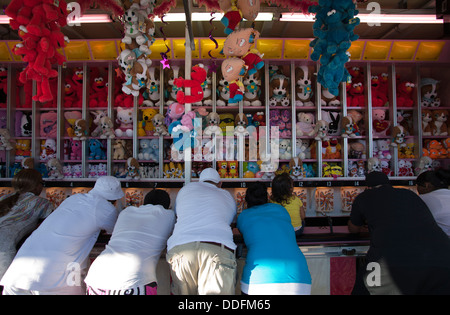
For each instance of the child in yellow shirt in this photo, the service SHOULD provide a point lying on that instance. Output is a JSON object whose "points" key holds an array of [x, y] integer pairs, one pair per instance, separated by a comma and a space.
{"points": [[283, 194]]}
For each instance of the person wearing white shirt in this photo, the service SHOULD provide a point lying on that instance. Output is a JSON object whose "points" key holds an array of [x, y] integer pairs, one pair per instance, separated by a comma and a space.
{"points": [[127, 266], [52, 260], [201, 248], [433, 189]]}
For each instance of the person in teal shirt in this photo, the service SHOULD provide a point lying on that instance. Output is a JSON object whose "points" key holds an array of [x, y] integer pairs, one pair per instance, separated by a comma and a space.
{"points": [[274, 263]]}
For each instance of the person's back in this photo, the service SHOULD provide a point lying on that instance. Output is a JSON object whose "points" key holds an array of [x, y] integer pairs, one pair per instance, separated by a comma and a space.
{"points": [[273, 254], [204, 213], [52, 259], [406, 237], [128, 263], [201, 248]]}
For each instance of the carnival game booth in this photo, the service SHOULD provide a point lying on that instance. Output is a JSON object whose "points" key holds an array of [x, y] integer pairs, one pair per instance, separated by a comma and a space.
{"points": [[158, 117]]}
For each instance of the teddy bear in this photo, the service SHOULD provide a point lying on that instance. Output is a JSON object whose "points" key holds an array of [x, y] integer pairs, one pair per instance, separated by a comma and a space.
{"points": [[405, 168], [80, 130], [125, 121], [106, 125], [439, 123], [132, 168], [146, 127], [356, 150], [296, 168], [321, 130], [405, 94], [398, 136], [119, 149], [278, 90], [348, 127], [428, 91], [47, 126], [5, 140], [160, 128], [232, 70], [305, 124], [145, 150], [425, 164], [55, 169], [381, 149], [302, 149], [212, 124], [373, 165], [427, 122], [223, 92], [303, 87], [239, 43], [240, 124], [198, 77], [96, 150], [49, 151], [170, 89], [75, 149], [252, 84], [379, 123], [152, 93], [285, 149]]}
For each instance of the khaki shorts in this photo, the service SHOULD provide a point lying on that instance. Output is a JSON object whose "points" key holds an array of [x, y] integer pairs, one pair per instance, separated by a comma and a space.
{"points": [[202, 268]]}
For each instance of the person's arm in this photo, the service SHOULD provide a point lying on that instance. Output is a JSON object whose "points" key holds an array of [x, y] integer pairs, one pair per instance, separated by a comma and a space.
{"points": [[356, 222], [354, 228]]}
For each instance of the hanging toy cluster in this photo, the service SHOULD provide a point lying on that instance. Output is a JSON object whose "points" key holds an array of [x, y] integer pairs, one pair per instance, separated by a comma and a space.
{"points": [[39, 24], [139, 31], [333, 29], [241, 58]]}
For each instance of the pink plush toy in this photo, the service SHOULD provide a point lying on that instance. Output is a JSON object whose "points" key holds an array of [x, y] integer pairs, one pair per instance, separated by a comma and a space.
{"points": [[75, 147]]}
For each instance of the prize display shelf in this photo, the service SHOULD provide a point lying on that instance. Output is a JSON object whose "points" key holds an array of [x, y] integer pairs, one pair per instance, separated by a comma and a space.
{"points": [[404, 60]]}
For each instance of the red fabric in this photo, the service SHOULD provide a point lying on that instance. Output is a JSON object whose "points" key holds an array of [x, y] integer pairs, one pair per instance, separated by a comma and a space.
{"points": [[342, 275]]}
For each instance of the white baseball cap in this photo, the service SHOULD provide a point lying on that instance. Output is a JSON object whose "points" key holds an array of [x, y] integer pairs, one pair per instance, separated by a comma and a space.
{"points": [[108, 187], [209, 174]]}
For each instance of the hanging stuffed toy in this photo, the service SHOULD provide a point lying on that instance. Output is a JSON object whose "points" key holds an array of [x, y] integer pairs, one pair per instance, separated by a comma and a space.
{"points": [[239, 44], [232, 70], [333, 30], [198, 76], [39, 23], [236, 10]]}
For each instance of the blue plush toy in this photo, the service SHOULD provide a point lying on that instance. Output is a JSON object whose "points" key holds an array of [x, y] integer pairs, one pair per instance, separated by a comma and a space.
{"points": [[96, 150], [333, 29]]}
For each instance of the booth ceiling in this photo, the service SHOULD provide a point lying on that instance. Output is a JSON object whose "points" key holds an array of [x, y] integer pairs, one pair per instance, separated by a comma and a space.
{"points": [[268, 29]]}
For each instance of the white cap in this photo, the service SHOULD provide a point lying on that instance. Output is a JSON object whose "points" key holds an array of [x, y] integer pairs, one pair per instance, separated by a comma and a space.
{"points": [[108, 187], [209, 174]]}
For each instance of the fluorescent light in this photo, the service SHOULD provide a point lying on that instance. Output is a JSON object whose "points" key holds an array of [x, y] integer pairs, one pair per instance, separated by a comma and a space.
{"points": [[371, 18], [206, 16], [88, 18]]}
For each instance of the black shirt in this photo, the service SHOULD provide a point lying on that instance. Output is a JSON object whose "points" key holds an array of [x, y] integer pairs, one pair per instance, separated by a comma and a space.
{"points": [[402, 228]]}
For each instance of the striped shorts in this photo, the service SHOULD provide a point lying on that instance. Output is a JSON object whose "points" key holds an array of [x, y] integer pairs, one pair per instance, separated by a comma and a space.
{"points": [[147, 289]]}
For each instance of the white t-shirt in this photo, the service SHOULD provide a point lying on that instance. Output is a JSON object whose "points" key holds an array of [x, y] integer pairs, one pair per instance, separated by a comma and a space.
{"points": [[54, 254], [439, 203], [131, 256], [204, 213]]}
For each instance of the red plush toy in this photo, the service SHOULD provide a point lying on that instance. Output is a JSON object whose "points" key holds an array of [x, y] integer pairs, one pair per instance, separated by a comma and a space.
{"points": [[39, 23], [356, 95], [198, 76], [404, 94], [379, 97], [99, 92]]}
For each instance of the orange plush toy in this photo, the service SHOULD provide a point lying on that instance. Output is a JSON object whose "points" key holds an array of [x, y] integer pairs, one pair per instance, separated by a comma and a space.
{"points": [[198, 76]]}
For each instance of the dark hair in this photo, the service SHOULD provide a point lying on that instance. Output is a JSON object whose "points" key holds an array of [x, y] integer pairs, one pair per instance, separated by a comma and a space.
{"points": [[256, 194], [27, 180], [439, 178], [157, 197], [282, 188]]}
